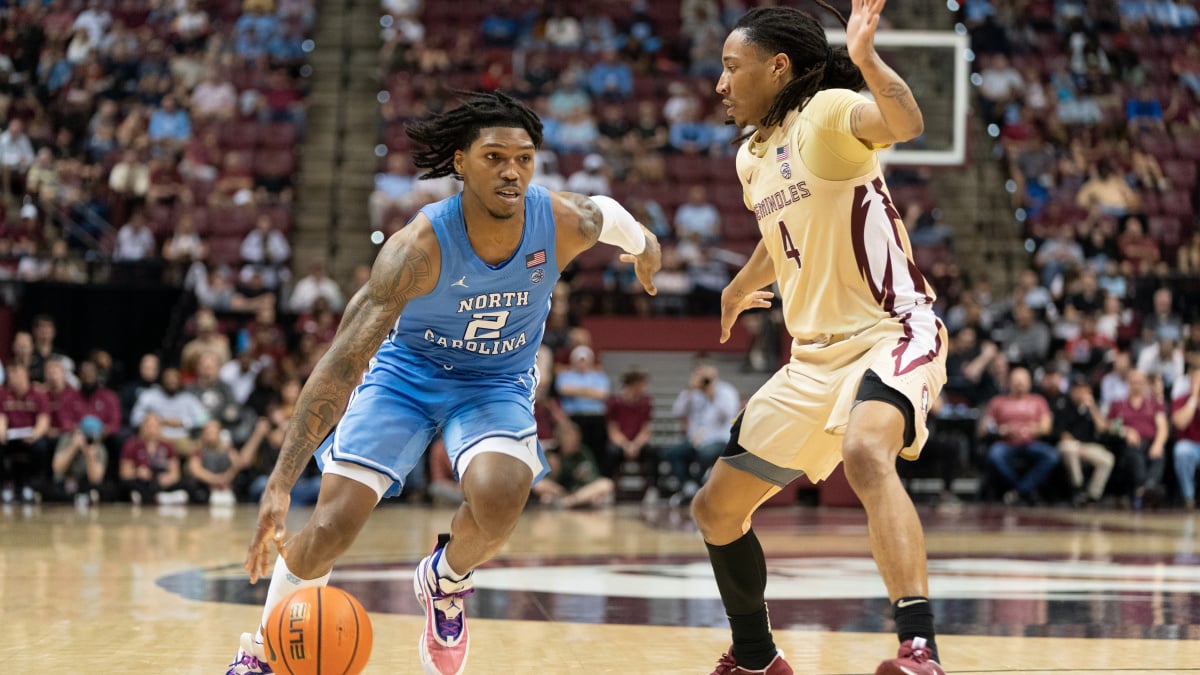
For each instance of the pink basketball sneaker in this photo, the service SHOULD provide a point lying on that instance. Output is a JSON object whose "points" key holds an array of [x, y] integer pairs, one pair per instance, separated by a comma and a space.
{"points": [[914, 659], [728, 666], [444, 640]]}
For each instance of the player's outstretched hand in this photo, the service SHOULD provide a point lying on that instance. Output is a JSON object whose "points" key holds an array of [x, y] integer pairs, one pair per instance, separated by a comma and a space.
{"points": [[733, 303], [272, 512], [860, 29], [647, 263]]}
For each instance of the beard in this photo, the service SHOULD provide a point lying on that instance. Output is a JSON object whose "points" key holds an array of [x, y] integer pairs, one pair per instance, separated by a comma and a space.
{"points": [[501, 216]]}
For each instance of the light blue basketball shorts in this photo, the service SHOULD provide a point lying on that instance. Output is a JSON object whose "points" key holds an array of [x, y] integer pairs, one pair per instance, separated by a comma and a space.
{"points": [[391, 420]]}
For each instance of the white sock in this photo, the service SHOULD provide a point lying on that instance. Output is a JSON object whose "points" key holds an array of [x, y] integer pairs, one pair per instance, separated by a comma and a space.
{"points": [[444, 570], [283, 584]]}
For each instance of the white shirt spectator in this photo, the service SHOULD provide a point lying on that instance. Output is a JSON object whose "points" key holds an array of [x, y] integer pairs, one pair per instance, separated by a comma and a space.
{"points": [[708, 420], [309, 288], [16, 152], [134, 242], [1169, 366], [130, 178], [213, 98], [241, 376], [95, 21], [564, 31], [273, 249], [590, 180], [182, 405], [1000, 83], [701, 219], [192, 23]]}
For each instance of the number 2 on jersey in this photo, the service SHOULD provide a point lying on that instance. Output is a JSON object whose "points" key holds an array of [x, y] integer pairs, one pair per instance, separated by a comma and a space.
{"points": [[486, 326], [788, 247]]}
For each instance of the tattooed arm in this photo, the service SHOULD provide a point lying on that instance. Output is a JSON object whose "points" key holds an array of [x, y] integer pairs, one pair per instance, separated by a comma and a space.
{"points": [[580, 223], [894, 116], [407, 266]]}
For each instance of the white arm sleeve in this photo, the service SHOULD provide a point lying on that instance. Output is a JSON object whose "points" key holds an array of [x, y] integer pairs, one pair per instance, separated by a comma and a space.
{"points": [[619, 228]]}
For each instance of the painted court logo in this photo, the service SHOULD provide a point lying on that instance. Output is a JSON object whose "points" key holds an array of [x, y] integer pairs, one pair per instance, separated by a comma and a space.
{"points": [[989, 595]]}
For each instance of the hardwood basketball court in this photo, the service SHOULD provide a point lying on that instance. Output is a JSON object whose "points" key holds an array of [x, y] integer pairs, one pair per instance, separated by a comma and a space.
{"points": [[122, 589]]}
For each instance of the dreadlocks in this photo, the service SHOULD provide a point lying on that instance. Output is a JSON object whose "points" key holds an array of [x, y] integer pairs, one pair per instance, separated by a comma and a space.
{"points": [[815, 64], [444, 133]]}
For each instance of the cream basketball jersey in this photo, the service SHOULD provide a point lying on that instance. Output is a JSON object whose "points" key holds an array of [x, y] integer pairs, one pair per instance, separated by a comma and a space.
{"points": [[841, 254]]}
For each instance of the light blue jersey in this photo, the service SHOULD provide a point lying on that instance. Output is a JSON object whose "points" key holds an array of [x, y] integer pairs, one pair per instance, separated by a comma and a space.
{"points": [[459, 361], [481, 319]]}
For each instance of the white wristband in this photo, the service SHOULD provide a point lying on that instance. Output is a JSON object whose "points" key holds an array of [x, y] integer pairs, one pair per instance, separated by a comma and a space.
{"points": [[619, 228]]}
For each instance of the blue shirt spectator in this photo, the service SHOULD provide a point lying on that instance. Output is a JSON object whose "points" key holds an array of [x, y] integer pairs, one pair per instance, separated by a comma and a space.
{"points": [[499, 29], [250, 44], [692, 137], [286, 47], [568, 96], [610, 78], [577, 133], [56, 74], [1143, 108], [583, 388], [170, 123], [698, 217], [264, 26]]}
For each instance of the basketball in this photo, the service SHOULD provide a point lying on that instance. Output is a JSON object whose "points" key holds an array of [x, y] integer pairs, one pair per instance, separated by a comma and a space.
{"points": [[318, 630]]}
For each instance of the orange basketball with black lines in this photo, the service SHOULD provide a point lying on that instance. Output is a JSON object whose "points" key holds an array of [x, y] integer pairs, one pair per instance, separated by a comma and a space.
{"points": [[318, 631]]}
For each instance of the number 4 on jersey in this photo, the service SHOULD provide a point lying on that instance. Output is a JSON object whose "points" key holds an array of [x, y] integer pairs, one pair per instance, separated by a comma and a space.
{"points": [[788, 247]]}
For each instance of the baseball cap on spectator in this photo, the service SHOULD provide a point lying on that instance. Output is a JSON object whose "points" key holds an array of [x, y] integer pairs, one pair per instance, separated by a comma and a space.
{"points": [[582, 353], [29, 211], [593, 162]]}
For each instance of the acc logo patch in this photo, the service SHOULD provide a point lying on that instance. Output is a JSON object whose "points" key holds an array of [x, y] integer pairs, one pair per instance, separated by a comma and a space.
{"points": [[924, 399], [537, 275], [785, 170]]}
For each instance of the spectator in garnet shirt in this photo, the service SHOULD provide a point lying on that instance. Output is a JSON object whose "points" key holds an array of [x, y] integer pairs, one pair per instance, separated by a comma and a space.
{"points": [[1185, 397], [98, 400], [1137, 248], [1090, 347], [66, 406], [281, 102], [1142, 423], [1019, 418], [629, 412], [26, 452], [150, 469]]}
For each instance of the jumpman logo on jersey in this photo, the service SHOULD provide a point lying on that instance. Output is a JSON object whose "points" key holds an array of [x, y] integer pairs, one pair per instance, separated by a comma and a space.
{"points": [[461, 283]]}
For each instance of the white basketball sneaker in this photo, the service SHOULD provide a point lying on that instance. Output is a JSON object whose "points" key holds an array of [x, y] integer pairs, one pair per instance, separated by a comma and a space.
{"points": [[250, 659]]}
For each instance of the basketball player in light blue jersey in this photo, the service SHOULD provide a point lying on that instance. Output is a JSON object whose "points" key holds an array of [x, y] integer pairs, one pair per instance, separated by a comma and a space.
{"points": [[447, 330]]}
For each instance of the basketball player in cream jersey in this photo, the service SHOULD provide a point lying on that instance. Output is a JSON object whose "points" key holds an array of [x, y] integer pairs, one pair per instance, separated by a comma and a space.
{"points": [[868, 353]]}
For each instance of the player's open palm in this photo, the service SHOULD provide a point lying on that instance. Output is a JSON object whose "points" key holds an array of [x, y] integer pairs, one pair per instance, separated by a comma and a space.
{"points": [[272, 513], [733, 303], [647, 263], [860, 29]]}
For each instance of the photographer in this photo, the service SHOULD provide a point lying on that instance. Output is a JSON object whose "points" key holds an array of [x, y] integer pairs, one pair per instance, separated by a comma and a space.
{"points": [[707, 408], [79, 464]]}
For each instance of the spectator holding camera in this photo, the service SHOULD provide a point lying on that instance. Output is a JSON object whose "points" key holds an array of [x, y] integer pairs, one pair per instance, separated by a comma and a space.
{"points": [[707, 408], [80, 464], [1141, 423]]}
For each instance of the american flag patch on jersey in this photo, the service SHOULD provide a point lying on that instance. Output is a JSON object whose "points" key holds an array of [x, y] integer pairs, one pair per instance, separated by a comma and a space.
{"points": [[782, 153], [536, 258]]}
